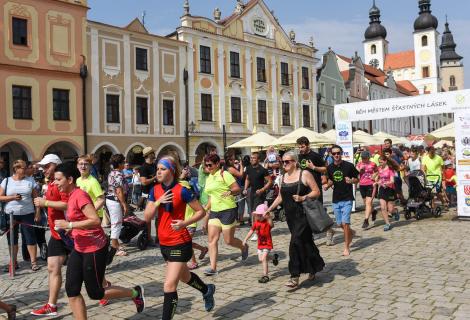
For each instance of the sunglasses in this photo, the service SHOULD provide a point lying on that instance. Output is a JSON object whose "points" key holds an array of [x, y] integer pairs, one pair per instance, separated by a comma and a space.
{"points": [[209, 165], [336, 153], [286, 162]]}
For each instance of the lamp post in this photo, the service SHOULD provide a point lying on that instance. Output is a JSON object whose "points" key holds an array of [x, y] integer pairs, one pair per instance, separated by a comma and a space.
{"points": [[318, 111], [224, 138], [84, 75], [186, 105]]}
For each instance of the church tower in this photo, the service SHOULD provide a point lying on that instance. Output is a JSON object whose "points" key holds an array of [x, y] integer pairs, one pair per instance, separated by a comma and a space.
{"points": [[426, 37], [452, 72], [375, 43]]}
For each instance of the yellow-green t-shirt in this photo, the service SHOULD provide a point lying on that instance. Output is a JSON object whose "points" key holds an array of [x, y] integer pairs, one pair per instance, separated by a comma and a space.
{"points": [[216, 185], [375, 158], [433, 167], [189, 212], [91, 186]]}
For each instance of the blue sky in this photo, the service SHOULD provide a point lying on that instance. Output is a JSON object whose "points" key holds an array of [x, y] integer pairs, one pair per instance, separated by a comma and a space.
{"points": [[339, 24]]}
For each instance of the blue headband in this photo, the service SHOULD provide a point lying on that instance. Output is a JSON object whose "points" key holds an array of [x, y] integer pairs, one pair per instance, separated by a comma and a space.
{"points": [[167, 164]]}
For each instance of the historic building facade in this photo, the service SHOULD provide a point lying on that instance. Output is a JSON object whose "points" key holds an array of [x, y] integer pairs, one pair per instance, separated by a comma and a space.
{"points": [[246, 74], [136, 91], [41, 52], [430, 67]]}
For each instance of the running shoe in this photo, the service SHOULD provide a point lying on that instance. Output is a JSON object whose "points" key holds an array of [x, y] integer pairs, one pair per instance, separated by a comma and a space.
{"points": [[374, 215], [329, 237], [209, 302], [276, 259], [105, 302], [140, 299], [47, 310], [210, 272], [365, 225], [245, 253], [396, 216], [204, 251], [254, 237], [387, 227]]}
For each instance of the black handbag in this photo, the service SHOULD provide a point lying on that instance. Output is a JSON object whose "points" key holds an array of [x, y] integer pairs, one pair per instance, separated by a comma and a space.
{"points": [[318, 220], [4, 218]]}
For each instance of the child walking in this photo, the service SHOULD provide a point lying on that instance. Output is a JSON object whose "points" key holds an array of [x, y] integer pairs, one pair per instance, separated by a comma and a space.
{"points": [[262, 225]]}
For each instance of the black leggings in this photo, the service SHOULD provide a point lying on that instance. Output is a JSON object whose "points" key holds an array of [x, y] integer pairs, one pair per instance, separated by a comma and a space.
{"points": [[88, 268]]}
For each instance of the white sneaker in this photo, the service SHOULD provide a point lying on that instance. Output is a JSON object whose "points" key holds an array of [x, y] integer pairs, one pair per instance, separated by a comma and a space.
{"points": [[254, 237]]}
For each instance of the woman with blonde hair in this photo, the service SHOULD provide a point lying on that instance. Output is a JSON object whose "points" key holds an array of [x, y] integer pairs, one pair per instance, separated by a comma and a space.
{"points": [[18, 192]]}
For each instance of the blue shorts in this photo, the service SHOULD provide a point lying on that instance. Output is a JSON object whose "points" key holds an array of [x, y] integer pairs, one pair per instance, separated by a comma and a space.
{"points": [[342, 212], [26, 229]]}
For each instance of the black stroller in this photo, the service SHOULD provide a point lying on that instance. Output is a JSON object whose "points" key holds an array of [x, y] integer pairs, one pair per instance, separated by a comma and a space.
{"points": [[132, 226], [279, 214], [421, 194]]}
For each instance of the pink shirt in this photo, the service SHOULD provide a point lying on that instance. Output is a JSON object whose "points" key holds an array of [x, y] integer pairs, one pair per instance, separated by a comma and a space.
{"points": [[385, 176], [366, 170], [89, 240]]}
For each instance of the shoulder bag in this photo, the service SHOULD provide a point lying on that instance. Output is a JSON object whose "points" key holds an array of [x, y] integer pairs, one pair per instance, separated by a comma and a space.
{"points": [[4, 218], [318, 220]]}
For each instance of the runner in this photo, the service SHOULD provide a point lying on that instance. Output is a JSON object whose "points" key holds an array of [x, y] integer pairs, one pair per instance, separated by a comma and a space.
{"points": [[147, 179], [221, 188], [56, 203], [341, 176], [170, 199], [433, 166], [366, 170], [387, 193], [87, 262], [262, 226]]}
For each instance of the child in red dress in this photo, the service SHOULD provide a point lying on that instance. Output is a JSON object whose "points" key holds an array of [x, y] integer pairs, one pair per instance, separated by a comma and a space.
{"points": [[263, 225]]}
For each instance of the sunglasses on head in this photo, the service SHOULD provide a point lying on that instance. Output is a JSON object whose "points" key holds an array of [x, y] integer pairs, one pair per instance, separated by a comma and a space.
{"points": [[286, 162]]}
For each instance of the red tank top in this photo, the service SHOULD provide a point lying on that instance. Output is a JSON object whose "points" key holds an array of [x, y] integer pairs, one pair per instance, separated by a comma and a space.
{"points": [[166, 235]]}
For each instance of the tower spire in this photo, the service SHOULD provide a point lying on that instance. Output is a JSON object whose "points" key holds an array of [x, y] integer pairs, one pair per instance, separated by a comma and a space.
{"points": [[448, 45], [375, 29]]}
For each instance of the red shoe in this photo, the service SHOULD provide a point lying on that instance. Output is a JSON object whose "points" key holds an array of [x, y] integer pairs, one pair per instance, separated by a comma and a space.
{"points": [[103, 302], [46, 310]]}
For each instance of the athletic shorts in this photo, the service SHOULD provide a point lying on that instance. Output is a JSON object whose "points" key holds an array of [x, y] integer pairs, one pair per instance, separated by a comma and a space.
{"points": [[366, 191], [387, 194], [179, 253], [56, 248], [88, 268], [225, 219], [261, 251]]}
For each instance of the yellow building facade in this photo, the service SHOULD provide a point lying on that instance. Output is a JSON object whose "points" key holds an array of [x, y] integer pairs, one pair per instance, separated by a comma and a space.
{"points": [[135, 92], [246, 74], [42, 45]]}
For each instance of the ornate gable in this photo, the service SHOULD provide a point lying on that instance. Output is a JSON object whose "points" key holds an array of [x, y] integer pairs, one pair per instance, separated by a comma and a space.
{"points": [[136, 26]]}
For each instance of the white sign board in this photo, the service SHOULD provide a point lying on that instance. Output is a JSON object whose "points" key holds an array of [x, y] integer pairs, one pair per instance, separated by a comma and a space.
{"points": [[454, 101]]}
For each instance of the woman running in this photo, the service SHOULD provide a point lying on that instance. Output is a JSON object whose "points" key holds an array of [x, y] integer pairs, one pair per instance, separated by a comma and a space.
{"points": [[222, 188], [298, 185], [87, 262], [366, 170], [171, 198], [387, 193]]}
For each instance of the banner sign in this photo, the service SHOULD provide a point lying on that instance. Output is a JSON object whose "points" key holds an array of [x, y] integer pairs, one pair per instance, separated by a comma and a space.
{"points": [[457, 102]]}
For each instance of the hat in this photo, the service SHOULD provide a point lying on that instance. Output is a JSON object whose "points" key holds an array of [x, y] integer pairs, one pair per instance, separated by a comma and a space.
{"points": [[261, 209], [365, 154], [50, 158], [447, 163], [147, 151]]}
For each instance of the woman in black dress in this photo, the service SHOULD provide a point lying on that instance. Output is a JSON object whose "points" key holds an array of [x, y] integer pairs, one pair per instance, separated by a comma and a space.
{"points": [[304, 256]]}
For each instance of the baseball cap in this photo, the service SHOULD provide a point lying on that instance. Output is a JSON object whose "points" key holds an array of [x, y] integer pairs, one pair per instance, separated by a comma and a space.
{"points": [[50, 158], [447, 163], [365, 154], [261, 209], [147, 151]]}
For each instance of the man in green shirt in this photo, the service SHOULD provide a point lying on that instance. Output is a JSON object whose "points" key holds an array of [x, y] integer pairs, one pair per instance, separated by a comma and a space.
{"points": [[433, 166], [89, 184]]}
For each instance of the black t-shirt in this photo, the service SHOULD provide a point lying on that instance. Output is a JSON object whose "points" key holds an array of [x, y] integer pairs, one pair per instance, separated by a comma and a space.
{"points": [[317, 161], [147, 171], [256, 176], [342, 191]]}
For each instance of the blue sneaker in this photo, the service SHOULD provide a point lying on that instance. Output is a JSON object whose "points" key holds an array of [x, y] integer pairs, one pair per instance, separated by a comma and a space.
{"points": [[209, 302], [387, 227], [210, 272], [245, 253]]}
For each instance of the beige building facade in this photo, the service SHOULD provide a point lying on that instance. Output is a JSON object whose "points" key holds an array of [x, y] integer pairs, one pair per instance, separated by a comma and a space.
{"points": [[41, 48], [246, 74], [136, 91]]}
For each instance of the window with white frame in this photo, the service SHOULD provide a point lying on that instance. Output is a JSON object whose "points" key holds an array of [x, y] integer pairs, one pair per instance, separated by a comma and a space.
{"points": [[236, 109], [206, 107], [285, 114], [262, 112], [141, 109], [112, 108], [168, 113]]}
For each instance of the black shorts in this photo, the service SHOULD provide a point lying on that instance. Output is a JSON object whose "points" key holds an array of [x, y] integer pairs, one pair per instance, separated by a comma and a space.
{"points": [[56, 248], [88, 268], [387, 194], [366, 191], [226, 217], [179, 253]]}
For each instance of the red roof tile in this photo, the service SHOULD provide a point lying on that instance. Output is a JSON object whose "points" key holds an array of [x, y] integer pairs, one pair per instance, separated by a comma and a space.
{"points": [[399, 60], [408, 86]]}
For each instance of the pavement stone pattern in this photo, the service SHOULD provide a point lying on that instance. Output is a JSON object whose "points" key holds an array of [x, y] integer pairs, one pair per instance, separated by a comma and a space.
{"points": [[418, 270]]}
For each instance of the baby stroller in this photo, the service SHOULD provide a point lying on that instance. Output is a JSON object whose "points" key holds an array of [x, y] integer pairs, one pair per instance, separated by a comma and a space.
{"points": [[421, 194], [132, 226], [279, 214]]}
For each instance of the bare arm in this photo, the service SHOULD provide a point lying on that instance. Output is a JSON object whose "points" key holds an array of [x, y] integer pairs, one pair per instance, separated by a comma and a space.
{"points": [[147, 181], [92, 220], [4, 198], [121, 198], [235, 189], [58, 205], [307, 179], [99, 203], [236, 173], [268, 184]]}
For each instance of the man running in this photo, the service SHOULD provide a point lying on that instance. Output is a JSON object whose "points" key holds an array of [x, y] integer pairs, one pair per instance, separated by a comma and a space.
{"points": [[56, 203], [341, 176]]}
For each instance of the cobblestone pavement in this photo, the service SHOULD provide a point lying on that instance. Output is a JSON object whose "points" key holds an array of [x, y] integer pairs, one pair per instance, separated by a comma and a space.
{"points": [[419, 270]]}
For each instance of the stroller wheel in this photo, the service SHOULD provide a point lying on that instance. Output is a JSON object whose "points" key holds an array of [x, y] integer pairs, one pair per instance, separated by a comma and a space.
{"points": [[43, 251], [142, 241], [282, 215], [407, 215], [437, 212]]}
